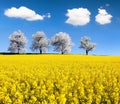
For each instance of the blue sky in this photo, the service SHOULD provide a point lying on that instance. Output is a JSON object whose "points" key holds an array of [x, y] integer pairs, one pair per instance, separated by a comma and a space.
{"points": [[99, 20]]}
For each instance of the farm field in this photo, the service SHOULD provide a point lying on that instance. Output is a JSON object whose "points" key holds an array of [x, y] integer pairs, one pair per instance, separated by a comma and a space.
{"points": [[59, 79]]}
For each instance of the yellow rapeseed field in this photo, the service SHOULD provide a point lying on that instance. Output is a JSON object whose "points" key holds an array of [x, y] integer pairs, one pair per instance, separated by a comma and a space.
{"points": [[59, 79]]}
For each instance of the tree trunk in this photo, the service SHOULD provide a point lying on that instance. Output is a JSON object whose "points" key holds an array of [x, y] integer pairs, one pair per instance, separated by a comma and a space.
{"points": [[18, 50], [40, 51], [86, 52], [62, 52]]}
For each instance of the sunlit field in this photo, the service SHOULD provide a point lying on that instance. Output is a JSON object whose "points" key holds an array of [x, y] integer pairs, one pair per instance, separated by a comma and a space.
{"points": [[59, 79]]}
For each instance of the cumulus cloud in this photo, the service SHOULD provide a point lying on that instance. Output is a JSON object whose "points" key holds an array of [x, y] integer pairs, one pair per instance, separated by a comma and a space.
{"points": [[25, 13], [103, 17], [78, 16]]}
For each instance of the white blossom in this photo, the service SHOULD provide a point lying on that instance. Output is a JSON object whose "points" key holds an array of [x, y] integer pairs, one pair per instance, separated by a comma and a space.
{"points": [[17, 42], [62, 42], [85, 44], [40, 42]]}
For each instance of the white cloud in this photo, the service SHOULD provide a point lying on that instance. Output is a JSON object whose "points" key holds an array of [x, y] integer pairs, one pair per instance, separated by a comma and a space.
{"points": [[49, 15], [107, 5], [103, 17], [24, 13], [78, 16]]}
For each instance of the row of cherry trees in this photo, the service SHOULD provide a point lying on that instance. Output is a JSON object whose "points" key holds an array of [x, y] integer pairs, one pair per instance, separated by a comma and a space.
{"points": [[61, 42]]}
